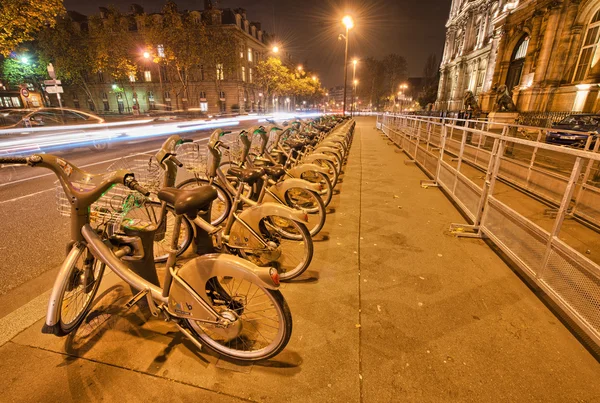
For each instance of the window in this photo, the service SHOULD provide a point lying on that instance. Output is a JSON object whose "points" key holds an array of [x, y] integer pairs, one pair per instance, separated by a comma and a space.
{"points": [[201, 72], [105, 102], [151, 101], [589, 51], [250, 54], [202, 95], [76, 101], [167, 97], [221, 96], [515, 70], [204, 106], [100, 76], [132, 77], [160, 49], [147, 76], [250, 75], [242, 52], [91, 105], [220, 75], [243, 74]]}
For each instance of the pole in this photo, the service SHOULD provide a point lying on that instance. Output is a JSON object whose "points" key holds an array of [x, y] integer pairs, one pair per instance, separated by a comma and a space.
{"points": [[345, 72], [353, 87]]}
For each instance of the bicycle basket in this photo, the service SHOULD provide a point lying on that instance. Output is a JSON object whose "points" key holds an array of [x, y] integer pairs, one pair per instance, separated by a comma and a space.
{"points": [[193, 158]]}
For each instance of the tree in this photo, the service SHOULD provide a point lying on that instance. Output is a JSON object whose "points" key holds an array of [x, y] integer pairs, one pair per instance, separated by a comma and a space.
{"points": [[371, 87], [20, 20], [395, 71], [274, 77], [69, 51], [431, 73], [183, 41], [17, 72]]}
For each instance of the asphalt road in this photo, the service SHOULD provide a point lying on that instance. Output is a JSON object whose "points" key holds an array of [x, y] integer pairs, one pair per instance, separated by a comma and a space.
{"points": [[33, 233]]}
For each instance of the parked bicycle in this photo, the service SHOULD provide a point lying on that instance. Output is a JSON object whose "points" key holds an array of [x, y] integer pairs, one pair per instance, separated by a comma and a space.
{"points": [[220, 301]]}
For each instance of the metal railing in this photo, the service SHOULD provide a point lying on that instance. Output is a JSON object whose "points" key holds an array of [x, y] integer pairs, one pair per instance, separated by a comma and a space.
{"points": [[470, 159]]}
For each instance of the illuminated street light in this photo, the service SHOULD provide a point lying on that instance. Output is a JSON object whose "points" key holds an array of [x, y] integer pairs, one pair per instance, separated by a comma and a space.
{"points": [[314, 78], [24, 60], [349, 24], [146, 55], [114, 86], [275, 49], [300, 67]]}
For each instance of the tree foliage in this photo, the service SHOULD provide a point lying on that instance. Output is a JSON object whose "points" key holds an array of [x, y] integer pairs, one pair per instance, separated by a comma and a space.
{"points": [[21, 20], [431, 74], [277, 79]]}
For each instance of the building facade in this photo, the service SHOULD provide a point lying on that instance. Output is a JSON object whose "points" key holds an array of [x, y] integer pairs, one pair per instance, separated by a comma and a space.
{"points": [[211, 89], [544, 51]]}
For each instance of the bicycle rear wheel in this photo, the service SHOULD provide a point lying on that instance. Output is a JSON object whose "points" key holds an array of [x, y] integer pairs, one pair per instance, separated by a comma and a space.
{"points": [[262, 318], [78, 288], [311, 202]]}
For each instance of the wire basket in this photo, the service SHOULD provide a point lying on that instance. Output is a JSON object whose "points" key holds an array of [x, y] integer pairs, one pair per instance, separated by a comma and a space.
{"points": [[234, 153], [108, 211], [147, 171], [193, 158]]}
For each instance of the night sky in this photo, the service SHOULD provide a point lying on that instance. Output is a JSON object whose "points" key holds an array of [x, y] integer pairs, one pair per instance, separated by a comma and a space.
{"points": [[308, 29]]}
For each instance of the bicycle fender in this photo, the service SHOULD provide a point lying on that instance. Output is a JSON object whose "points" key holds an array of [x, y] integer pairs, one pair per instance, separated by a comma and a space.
{"points": [[51, 325], [281, 188], [195, 274], [318, 156], [298, 170], [240, 236]]}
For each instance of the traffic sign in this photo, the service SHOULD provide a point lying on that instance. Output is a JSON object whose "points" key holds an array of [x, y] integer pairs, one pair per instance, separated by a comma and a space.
{"points": [[52, 82], [24, 92], [54, 90], [51, 71]]}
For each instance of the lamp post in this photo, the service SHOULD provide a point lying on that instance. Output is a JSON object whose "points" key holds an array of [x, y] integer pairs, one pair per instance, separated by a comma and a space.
{"points": [[354, 63], [354, 95], [349, 23]]}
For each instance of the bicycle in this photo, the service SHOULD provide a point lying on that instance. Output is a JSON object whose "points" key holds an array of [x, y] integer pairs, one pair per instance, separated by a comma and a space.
{"points": [[216, 300]]}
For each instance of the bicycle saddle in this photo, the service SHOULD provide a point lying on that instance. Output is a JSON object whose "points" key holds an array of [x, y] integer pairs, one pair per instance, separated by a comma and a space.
{"points": [[188, 202], [275, 171], [247, 175]]}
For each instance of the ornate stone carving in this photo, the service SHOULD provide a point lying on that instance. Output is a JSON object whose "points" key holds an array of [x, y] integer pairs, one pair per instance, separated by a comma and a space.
{"points": [[504, 102]]}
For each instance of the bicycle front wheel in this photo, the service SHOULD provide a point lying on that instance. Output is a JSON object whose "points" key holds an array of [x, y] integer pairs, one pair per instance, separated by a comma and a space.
{"points": [[261, 316], [78, 288]]}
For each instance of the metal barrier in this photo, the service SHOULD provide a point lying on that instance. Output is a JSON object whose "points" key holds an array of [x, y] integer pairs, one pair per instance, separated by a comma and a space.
{"points": [[467, 161]]}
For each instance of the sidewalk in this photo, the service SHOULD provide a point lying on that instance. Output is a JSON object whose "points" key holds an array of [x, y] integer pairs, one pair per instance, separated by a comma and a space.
{"points": [[393, 308]]}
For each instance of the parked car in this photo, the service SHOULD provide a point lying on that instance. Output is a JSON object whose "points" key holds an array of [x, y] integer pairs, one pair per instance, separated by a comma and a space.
{"points": [[44, 117], [586, 124]]}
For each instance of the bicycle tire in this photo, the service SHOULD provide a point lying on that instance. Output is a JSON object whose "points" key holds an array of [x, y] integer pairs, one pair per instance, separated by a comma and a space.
{"points": [[316, 213], [284, 333], [72, 278]]}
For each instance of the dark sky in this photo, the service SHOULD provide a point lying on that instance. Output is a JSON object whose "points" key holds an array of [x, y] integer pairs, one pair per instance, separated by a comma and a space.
{"points": [[308, 29]]}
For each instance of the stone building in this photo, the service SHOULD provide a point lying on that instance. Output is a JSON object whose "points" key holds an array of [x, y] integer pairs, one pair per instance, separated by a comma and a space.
{"points": [[544, 51], [211, 89]]}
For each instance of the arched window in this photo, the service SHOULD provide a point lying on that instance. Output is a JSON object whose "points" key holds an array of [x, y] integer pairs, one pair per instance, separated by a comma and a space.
{"points": [[588, 55], [517, 60]]}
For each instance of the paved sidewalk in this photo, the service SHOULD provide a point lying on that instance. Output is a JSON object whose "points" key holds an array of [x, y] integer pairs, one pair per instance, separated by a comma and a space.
{"points": [[393, 308]]}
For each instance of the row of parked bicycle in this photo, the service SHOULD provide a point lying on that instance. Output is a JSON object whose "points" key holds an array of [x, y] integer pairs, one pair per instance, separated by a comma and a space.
{"points": [[249, 211]]}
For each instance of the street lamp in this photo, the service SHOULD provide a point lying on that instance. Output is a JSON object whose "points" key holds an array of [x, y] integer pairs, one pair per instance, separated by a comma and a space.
{"points": [[354, 63], [354, 88], [314, 78], [349, 24], [275, 49], [146, 55]]}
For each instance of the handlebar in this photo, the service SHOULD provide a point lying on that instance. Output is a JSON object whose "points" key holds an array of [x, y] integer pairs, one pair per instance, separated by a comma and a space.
{"points": [[132, 184], [176, 161], [14, 160]]}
